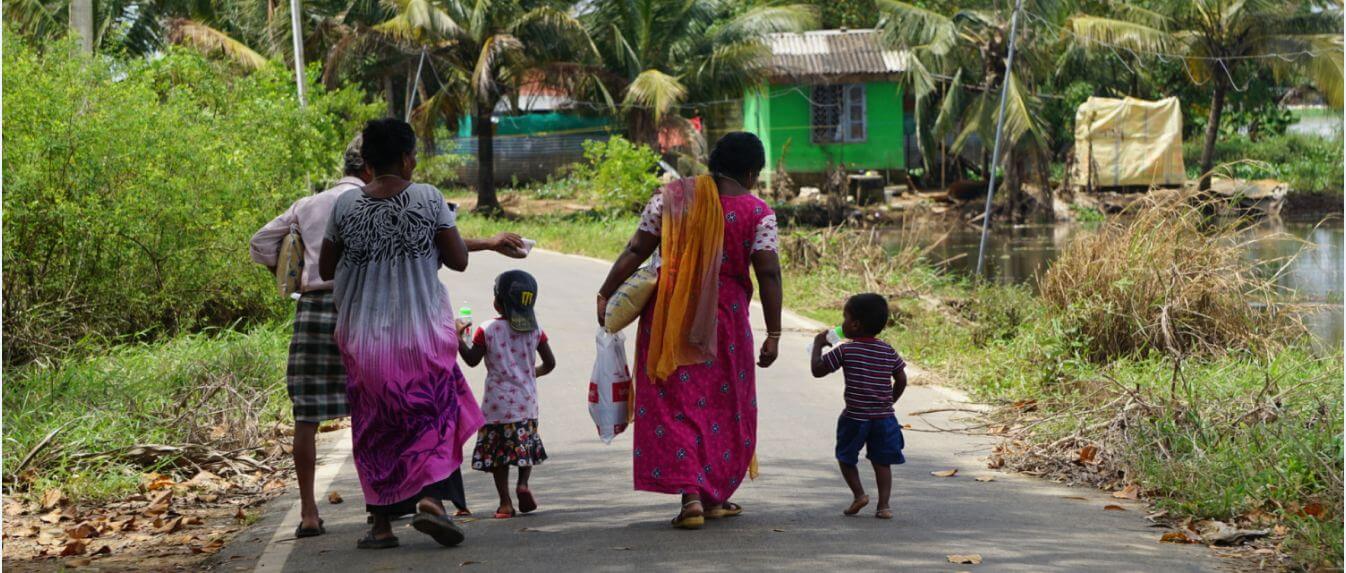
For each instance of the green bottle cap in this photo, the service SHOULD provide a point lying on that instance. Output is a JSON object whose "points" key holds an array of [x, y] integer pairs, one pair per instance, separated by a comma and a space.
{"points": [[465, 312]]}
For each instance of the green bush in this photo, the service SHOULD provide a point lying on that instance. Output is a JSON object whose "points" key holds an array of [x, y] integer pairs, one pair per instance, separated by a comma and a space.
{"points": [[620, 174], [132, 187], [441, 170], [1308, 163]]}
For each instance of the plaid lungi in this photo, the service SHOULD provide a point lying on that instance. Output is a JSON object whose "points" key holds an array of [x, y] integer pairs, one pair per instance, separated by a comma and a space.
{"points": [[315, 376]]}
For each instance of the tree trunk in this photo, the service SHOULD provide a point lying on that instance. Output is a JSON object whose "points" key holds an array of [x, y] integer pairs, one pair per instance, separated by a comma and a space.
{"points": [[642, 129], [481, 124], [390, 95], [1212, 131], [81, 21]]}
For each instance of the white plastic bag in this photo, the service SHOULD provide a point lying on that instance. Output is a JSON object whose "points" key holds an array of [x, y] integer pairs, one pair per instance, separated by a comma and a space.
{"points": [[610, 386]]}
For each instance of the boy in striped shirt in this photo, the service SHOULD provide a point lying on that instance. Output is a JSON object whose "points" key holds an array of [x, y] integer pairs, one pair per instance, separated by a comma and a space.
{"points": [[868, 365]]}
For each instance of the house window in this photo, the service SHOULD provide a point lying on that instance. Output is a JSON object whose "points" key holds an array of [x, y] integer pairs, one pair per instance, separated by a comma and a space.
{"points": [[838, 113]]}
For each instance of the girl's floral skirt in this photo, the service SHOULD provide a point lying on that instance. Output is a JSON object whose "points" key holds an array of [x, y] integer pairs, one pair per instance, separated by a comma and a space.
{"points": [[508, 444]]}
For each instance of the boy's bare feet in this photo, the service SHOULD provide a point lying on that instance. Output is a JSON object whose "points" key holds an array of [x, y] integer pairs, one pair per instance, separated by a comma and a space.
{"points": [[857, 505], [884, 513]]}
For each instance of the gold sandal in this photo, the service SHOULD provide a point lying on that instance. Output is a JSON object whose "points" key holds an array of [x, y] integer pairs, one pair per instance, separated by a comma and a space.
{"points": [[726, 509], [684, 521]]}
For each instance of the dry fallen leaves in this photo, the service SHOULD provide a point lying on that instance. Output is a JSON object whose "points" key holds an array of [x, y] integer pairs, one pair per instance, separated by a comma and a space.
{"points": [[53, 516], [240, 515], [1113, 507], [168, 525], [52, 498], [1088, 455], [84, 530], [158, 482], [212, 547], [1131, 491], [1177, 537], [984, 478], [74, 547], [160, 502], [273, 485], [945, 473], [334, 497], [1312, 509], [969, 559]]}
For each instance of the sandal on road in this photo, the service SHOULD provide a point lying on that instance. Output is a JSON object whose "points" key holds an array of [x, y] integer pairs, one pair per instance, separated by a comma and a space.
{"points": [[301, 532], [442, 529], [686, 520], [526, 501], [371, 542], [884, 513], [857, 505], [726, 509]]}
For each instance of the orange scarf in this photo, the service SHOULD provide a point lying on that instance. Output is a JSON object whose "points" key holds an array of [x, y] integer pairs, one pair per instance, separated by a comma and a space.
{"points": [[686, 300]]}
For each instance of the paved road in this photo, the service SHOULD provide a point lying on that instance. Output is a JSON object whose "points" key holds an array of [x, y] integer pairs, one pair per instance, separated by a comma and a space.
{"points": [[591, 520]]}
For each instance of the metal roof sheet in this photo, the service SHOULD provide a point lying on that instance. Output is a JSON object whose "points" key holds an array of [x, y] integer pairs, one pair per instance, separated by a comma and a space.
{"points": [[822, 53]]}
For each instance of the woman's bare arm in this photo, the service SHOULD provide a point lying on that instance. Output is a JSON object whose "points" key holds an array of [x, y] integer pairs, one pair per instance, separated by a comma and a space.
{"points": [[452, 249], [766, 265], [328, 258]]}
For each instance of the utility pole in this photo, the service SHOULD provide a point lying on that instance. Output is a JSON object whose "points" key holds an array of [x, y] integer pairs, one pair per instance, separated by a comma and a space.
{"points": [[999, 130], [81, 21], [297, 32]]}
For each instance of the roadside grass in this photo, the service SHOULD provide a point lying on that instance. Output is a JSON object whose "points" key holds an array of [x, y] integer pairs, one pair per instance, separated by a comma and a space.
{"points": [[582, 233], [216, 387]]}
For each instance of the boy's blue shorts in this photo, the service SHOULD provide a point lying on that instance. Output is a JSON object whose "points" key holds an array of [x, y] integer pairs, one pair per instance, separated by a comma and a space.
{"points": [[881, 438]]}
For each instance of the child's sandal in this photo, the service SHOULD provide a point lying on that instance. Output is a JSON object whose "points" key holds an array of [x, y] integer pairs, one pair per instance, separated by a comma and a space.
{"points": [[685, 521], [884, 513]]}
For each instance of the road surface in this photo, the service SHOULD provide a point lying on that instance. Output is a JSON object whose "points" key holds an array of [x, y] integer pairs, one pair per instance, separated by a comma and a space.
{"points": [[591, 520]]}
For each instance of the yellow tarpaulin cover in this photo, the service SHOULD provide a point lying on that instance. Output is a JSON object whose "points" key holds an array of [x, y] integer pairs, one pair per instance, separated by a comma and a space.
{"points": [[1120, 142]]}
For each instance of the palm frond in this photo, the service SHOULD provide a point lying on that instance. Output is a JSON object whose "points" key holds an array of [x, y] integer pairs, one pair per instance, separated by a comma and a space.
{"points": [[494, 51], [1092, 31], [555, 31], [210, 40], [656, 90], [759, 21], [950, 108], [419, 22], [912, 27]]}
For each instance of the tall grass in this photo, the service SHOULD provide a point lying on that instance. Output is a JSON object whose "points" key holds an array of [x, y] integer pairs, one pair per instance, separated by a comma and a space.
{"points": [[1167, 279], [215, 388]]}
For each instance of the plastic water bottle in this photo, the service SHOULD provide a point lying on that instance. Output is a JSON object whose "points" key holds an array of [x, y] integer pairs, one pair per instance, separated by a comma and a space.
{"points": [[528, 245], [464, 321], [834, 336]]}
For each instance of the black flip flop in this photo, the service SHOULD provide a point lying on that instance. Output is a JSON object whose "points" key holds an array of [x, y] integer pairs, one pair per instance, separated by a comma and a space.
{"points": [[371, 542], [301, 532], [442, 529]]}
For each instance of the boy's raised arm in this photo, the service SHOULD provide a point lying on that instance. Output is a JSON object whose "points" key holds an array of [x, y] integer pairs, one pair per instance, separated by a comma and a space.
{"points": [[816, 362]]}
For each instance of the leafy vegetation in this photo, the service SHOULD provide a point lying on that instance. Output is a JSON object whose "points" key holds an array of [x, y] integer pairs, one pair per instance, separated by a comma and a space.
{"points": [[619, 174], [1307, 163], [131, 189]]}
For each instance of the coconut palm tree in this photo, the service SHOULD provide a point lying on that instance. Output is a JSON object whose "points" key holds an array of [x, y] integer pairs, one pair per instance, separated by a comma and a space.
{"points": [[658, 54], [957, 67], [480, 52], [1222, 40]]}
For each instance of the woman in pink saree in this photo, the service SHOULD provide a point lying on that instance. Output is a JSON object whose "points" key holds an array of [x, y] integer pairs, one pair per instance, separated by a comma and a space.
{"points": [[696, 396]]}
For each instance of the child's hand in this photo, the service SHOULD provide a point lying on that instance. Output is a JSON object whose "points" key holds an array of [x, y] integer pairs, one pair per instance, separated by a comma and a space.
{"points": [[821, 341]]}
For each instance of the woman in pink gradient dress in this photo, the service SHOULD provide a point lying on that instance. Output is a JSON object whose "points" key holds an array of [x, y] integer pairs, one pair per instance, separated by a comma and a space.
{"points": [[411, 407]]}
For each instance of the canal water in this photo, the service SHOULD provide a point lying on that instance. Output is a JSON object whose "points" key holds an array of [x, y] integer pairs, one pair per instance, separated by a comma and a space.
{"points": [[1019, 254]]}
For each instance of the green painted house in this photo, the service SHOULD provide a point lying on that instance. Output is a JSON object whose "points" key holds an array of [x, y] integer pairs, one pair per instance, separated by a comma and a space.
{"points": [[832, 98]]}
